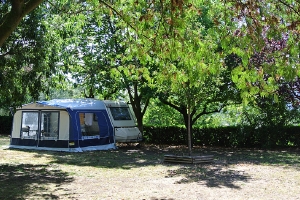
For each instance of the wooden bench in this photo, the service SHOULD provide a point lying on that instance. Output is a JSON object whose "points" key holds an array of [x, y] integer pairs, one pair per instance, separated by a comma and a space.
{"points": [[188, 159]]}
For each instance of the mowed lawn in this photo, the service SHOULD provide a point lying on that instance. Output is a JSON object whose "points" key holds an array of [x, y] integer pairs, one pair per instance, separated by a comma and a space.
{"points": [[141, 173]]}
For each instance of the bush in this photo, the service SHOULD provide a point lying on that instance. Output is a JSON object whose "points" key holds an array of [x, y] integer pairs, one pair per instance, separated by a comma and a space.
{"points": [[165, 135], [5, 124], [240, 136]]}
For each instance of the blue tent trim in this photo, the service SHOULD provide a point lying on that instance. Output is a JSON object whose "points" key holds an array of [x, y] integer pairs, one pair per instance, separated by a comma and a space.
{"points": [[106, 129]]}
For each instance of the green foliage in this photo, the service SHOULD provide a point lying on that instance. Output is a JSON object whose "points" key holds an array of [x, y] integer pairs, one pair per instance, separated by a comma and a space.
{"points": [[28, 61], [159, 114], [197, 55], [57, 93], [268, 119], [231, 136], [263, 35], [196, 34], [5, 125]]}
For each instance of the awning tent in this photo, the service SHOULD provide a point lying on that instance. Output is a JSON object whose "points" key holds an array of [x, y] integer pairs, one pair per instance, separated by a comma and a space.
{"points": [[63, 125]]}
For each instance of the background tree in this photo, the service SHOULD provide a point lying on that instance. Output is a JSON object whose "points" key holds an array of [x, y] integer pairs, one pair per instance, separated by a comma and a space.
{"points": [[28, 60], [93, 56], [240, 24], [159, 114], [12, 13], [98, 54], [247, 27], [134, 80]]}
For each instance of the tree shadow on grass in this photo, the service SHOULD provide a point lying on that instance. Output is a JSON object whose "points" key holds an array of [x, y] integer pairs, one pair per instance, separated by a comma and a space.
{"points": [[216, 174], [280, 157], [128, 157], [132, 157], [211, 176], [27, 180], [122, 158]]}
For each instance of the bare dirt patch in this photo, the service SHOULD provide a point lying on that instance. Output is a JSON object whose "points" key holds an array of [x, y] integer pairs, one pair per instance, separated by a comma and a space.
{"points": [[140, 173]]}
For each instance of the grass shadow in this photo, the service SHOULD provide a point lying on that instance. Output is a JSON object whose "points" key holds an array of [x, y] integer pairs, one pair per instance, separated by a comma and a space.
{"points": [[211, 176], [220, 172], [121, 158], [25, 180], [281, 157], [217, 174]]}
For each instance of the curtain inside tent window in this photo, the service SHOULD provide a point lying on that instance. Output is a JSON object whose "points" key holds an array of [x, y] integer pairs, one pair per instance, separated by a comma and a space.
{"points": [[88, 119]]}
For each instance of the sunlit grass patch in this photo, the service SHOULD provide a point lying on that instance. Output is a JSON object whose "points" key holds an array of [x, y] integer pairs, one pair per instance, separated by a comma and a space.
{"points": [[137, 173]]}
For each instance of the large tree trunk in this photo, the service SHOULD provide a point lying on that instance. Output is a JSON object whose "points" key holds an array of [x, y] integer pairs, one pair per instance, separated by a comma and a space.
{"points": [[189, 130], [10, 21], [136, 103], [188, 122], [139, 119]]}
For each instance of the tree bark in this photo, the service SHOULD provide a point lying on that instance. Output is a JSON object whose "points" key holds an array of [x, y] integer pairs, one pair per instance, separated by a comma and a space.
{"points": [[189, 128], [136, 102], [10, 21]]}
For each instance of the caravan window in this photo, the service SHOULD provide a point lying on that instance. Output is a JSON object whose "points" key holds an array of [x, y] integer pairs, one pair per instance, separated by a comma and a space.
{"points": [[89, 126], [30, 124], [120, 113]]}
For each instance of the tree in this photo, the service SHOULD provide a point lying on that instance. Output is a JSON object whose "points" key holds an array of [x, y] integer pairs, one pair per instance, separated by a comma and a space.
{"points": [[210, 95], [135, 80], [247, 27], [14, 11], [28, 60], [96, 54], [172, 35], [92, 57]]}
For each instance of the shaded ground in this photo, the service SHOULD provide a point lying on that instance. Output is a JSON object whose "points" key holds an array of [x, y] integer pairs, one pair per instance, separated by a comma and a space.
{"points": [[140, 173]]}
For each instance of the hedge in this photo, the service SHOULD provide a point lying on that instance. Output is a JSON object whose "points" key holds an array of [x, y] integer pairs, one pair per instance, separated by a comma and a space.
{"points": [[5, 124], [242, 136], [238, 136]]}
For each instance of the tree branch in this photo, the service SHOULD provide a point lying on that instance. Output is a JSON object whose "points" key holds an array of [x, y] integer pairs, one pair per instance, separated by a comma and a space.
{"points": [[290, 7], [120, 15], [30, 5], [10, 21], [179, 109], [205, 112], [146, 106], [117, 12]]}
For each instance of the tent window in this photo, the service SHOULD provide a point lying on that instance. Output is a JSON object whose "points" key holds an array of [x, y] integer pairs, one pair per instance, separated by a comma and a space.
{"points": [[49, 124], [46, 123], [89, 127], [30, 124], [120, 113]]}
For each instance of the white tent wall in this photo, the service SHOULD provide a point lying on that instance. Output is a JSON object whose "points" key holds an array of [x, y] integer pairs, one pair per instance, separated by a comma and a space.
{"points": [[16, 125], [64, 125], [64, 121]]}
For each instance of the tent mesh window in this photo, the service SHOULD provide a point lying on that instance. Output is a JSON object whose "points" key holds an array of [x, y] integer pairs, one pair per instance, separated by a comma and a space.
{"points": [[89, 125], [30, 124], [49, 124], [44, 125]]}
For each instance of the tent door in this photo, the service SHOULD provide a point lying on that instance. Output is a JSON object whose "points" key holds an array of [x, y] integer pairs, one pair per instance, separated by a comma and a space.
{"points": [[39, 126]]}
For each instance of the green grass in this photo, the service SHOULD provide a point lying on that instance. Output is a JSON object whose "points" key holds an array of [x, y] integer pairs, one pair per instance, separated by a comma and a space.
{"points": [[29, 174], [4, 140]]}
